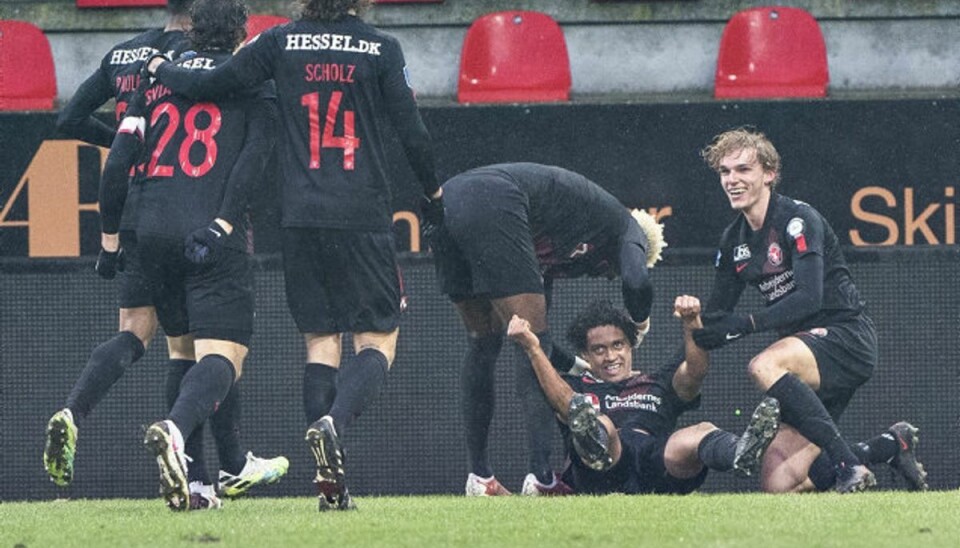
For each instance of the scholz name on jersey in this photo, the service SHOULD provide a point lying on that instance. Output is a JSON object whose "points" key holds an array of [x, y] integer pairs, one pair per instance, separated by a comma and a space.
{"points": [[332, 42], [329, 72]]}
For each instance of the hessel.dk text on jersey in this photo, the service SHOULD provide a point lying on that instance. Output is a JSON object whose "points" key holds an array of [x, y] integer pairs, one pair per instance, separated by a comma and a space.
{"points": [[332, 42], [127, 56]]}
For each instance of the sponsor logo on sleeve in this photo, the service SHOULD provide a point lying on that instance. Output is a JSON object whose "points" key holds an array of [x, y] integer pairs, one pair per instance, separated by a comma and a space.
{"points": [[795, 230]]}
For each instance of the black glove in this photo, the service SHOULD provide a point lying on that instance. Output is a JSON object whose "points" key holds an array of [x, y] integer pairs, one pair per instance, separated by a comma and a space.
{"points": [[431, 218], [109, 263], [720, 328], [203, 245]]}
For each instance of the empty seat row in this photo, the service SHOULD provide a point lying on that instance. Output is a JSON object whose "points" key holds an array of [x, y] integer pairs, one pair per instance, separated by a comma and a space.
{"points": [[514, 56]]}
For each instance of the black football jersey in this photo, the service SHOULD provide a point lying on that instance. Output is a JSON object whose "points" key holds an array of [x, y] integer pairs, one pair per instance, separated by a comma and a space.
{"points": [[765, 259], [643, 401], [576, 225], [191, 148], [116, 78], [338, 83]]}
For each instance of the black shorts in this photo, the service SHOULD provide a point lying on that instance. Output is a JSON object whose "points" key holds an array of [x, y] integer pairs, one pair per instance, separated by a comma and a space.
{"points": [[210, 301], [485, 248], [640, 470], [846, 353], [341, 281]]}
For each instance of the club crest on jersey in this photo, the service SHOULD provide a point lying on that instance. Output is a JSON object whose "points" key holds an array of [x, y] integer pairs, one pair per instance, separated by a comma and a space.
{"points": [[775, 254], [741, 253], [795, 230], [818, 331]]}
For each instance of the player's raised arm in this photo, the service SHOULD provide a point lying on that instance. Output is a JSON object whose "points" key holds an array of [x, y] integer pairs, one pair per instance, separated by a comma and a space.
{"points": [[248, 68], [558, 392], [688, 379]]}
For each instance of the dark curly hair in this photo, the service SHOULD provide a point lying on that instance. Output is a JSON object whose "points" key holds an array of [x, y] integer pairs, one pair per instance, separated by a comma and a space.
{"points": [[178, 7], [597, 314], [331, 10], [218, 24]]}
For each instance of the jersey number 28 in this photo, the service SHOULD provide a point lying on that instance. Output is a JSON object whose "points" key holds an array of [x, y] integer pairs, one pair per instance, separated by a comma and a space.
{"points": [[203, 136]]}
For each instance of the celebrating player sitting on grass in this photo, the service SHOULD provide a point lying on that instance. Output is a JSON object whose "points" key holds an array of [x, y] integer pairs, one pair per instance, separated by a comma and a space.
{"points": [[509, 230], [622, 422], [828, 345]]}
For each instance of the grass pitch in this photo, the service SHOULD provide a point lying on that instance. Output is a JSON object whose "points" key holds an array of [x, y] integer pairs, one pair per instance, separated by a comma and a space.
{"points": [[875, 519]]}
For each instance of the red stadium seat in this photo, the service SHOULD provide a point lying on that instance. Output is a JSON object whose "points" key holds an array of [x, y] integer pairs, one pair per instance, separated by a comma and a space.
{"points": [[259, 23], [27, 77], [771, 52], [514, 56]]}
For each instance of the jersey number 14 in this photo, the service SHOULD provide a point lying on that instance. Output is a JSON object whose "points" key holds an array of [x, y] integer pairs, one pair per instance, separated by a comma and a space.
{"points": [[348, 141]]}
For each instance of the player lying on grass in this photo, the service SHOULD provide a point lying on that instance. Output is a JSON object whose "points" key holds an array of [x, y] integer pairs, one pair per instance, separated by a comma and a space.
{"points": [[621, 423], [509, 230]]}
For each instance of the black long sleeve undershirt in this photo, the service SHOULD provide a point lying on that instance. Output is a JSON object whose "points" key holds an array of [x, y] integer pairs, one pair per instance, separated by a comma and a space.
{"points": [[124, 151], [247, 174], [635, 281], [76, 120]]}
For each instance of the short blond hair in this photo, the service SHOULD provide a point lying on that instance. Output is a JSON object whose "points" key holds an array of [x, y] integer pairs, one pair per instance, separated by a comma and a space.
{"points": [[654, 233], [743, 138]]}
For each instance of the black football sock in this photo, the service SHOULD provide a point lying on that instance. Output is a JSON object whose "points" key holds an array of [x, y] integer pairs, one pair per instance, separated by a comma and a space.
{"points": [[717, 450], [537, 413], [319, 390], [193, 444], [822, 473], [360, 381], [176, 369], [800, 408], [882, 448], [204, 386], [561, 360], [225, 426], [106, 365], [477, 398]]}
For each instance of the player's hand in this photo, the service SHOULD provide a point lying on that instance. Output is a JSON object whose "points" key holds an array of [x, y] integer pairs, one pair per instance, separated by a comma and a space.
{"points": [[431, 215], [519, 331], [204, 245], [149, 67], [642, 329], [109, 263], [431, 218], [721, 328]]}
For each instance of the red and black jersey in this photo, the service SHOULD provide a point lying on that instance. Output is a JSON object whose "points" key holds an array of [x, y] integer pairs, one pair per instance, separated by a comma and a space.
{"points": [[647, 402], [193, 165], [796, 263], [116, 78], [337, 83]]}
